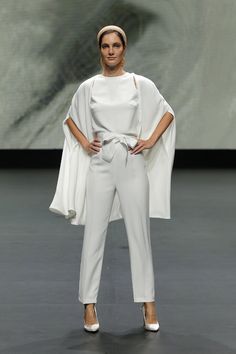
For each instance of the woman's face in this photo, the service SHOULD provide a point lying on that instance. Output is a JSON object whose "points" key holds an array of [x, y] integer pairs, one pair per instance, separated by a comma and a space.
{"points": [[112, 50]]}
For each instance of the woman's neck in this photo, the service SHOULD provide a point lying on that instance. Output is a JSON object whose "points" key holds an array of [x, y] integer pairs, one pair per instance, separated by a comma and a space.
{"points": [[113, 72]]}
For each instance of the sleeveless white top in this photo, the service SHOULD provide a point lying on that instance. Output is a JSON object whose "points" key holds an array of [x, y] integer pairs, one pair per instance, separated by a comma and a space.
{"points": [[113, 103]]}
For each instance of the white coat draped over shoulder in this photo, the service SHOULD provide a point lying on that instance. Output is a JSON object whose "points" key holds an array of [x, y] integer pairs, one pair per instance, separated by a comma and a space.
{"points": [[69, 199]]}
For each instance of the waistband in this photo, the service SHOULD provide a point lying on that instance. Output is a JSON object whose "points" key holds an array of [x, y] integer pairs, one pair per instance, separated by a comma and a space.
{"points": [[109, 142]]}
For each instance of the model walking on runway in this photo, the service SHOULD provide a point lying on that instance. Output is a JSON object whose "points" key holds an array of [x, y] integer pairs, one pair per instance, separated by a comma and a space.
{"points": [[120, 168]]}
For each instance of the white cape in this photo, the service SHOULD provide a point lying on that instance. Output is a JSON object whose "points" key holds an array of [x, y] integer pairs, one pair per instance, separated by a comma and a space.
{"points": [[69, 199]]}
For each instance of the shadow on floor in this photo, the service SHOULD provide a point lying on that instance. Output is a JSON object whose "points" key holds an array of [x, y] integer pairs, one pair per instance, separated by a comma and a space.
{"points": [[136, 341]]}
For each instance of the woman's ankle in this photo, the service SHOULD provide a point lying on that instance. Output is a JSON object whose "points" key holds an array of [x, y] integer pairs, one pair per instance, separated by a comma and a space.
{"points": [[89, 305], [149, 303]]}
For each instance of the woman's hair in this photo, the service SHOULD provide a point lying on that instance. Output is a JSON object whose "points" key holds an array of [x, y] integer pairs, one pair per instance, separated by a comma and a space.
{"points": [[111, 31]]}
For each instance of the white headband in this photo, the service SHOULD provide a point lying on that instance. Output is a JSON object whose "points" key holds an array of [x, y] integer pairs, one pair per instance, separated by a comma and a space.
{"points": [[112, 27]]}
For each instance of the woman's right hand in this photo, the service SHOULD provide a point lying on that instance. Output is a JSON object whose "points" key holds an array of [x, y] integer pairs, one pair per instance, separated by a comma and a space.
{"points": [[92, 147]]}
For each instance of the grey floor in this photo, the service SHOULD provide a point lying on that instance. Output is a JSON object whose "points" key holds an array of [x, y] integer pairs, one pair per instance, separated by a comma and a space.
{"points": [[194, 258]]}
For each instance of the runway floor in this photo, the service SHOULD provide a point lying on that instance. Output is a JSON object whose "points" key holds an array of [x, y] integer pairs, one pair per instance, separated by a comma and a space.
{"points": [[194, 257]]}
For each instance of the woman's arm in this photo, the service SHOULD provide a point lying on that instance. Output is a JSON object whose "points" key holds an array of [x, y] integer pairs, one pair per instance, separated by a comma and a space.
{"points": [[77, 132], [161, 127], [92, 147], [158, 131]]}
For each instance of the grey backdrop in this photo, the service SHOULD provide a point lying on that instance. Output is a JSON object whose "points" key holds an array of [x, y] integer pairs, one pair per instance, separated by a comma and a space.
{"points": [[187, 47]]}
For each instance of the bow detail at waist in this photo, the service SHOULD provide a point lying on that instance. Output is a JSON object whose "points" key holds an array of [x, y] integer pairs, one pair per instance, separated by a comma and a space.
{"points": [[109, 142]]}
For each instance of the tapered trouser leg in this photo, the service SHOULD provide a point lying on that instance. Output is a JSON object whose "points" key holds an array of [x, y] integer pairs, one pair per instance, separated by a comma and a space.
{"points": [[100, 191], [131, 182], [133, 190]]}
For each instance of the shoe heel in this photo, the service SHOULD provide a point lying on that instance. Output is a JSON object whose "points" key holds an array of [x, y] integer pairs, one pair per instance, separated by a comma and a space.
{"points": [[154, 327], [94, 327]]}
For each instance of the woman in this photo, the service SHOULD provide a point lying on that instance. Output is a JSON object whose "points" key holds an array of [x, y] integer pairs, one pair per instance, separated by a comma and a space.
{"points": [[108, 115]]}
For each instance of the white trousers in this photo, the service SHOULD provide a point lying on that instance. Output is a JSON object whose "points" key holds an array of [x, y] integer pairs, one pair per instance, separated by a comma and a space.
{"points": [[127, 174]]}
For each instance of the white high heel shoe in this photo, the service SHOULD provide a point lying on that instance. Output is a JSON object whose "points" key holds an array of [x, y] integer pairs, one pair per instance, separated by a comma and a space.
{"points": [[94, 327], [149, 326]]}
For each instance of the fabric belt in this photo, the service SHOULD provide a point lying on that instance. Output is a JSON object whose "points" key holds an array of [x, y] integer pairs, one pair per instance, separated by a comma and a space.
{"points": [[109, 142]]}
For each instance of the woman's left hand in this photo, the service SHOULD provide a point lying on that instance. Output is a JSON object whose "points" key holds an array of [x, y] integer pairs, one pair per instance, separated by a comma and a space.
{"points": [[141, 145]]}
